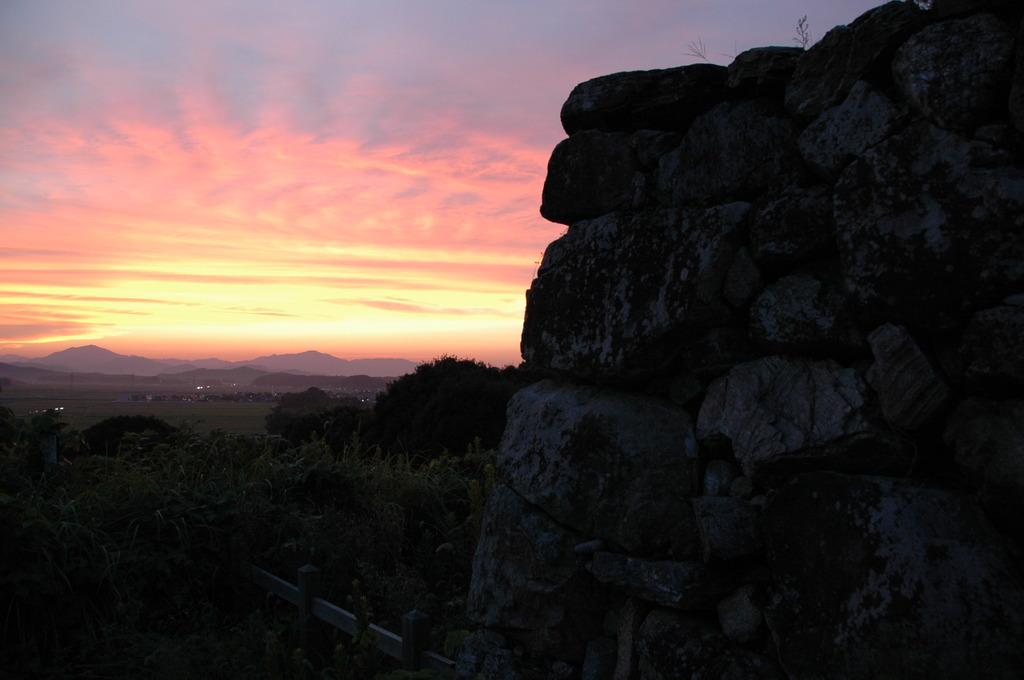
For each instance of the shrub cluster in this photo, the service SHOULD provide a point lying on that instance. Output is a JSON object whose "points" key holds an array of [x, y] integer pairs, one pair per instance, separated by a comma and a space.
{"points": [[126, 563]]}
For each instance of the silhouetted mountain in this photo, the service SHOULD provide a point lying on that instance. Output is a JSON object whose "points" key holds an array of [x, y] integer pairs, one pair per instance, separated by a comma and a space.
{"points": [[94, 359], [35, 374], [20, 372], [360, 383], [326, 364], [241, 375], [13, 359], [192, 364]]}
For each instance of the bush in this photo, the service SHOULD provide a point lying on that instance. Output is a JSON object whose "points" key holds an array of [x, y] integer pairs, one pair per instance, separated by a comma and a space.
{"points": [[305, 416], [127, 566], [106, 436], [445, 404]]}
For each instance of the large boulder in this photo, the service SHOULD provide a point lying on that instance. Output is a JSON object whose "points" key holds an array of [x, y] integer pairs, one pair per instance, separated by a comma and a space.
{"points": [[631, 617], [591, 174], [763, 71], [955, 72], [729, 527], [1017, 90], [610, 465], [740, 614], [930, 225], [485, 654], [910, 390], [879, 577], [525, 576], [782, 413], [794, 226], [683, 585], [734, 151], [993, 349], [672, 646], [846, 130], [846, 54], [616, 296], [666, 99], [987, 438], [803, 313], [714, 352]]}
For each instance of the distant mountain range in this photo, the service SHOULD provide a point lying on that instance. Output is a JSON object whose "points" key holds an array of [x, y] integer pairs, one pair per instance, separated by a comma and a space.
{"points": [[97, 360]]}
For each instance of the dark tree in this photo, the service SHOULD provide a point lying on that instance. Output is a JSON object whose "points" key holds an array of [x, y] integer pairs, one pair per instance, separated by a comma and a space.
{"points": [[302, 416], [104, 438], [445, 404]]}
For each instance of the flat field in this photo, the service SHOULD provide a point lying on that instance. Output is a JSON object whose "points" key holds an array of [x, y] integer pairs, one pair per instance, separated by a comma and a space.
{"points": [[86, 405]]}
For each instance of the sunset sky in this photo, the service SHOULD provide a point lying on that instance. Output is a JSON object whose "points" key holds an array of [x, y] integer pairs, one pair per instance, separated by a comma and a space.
{"points": [[223, 178]]}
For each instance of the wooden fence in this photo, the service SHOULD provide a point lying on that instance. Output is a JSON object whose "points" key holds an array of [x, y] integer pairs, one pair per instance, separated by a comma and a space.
{"points": [[409, 647]]}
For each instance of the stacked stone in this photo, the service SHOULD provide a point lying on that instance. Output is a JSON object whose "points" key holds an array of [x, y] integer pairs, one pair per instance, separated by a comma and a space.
{"points": [[784, 430]]}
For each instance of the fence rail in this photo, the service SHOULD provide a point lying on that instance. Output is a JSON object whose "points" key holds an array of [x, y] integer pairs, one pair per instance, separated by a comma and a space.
{"points": [[409, 647]]}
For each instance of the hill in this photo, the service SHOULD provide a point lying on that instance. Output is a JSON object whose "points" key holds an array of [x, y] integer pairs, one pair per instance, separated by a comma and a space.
{"points": [[95, 359], [354, 383]]}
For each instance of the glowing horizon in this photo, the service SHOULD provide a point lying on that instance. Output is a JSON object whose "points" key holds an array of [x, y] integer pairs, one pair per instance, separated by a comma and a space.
{"points": [[356, 178]]}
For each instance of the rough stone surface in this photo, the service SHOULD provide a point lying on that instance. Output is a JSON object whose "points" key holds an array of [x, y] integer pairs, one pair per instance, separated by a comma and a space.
{"points": [[714, 352], [801, 313], [525, 574], [900, 580], [743, 280], [740, 614], [1017, 90], [610, 465], [954, 72], [846, 54], [631, 617], [909, 388], [987, 438], [993, 349], [843, 132], [667, 99], [736, 150], [615, 295], [484, 654], [729, 527], [929, 225], [763, 71], [718, 477], [684, 388], [591, 174], [599, 661], [672, 646], [787, 413], [742, 487], [948, 9], [794, 226], [683, 585]]}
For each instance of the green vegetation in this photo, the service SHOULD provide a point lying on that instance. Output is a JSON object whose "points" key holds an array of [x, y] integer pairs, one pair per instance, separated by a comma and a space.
{"points": [[86, 406], [443, 407], [125, 563]]}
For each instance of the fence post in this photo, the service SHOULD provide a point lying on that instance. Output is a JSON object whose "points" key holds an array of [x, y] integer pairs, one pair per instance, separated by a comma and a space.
{"points": [[50, 447], [308, 580], [415, 638]]}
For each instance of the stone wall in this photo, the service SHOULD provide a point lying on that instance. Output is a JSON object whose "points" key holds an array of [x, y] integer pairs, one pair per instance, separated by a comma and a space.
{"points": [[783, 434]]}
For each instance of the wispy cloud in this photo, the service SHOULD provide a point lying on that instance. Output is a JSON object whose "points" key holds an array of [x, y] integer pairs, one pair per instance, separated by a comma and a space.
{"points": [[191, 173]]}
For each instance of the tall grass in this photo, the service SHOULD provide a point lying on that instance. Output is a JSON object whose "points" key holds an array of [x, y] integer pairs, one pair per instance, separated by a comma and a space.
{"points": [[126, 566]]}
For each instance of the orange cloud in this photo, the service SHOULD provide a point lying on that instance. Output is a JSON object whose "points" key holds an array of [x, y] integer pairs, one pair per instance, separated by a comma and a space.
{"points": [[141, 231]]}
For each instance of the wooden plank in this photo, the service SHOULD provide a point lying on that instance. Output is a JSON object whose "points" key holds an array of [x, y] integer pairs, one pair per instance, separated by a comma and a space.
{"points": [[335, 616], [388, 642], [345, 621], [276, 586], [436, 662]]}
